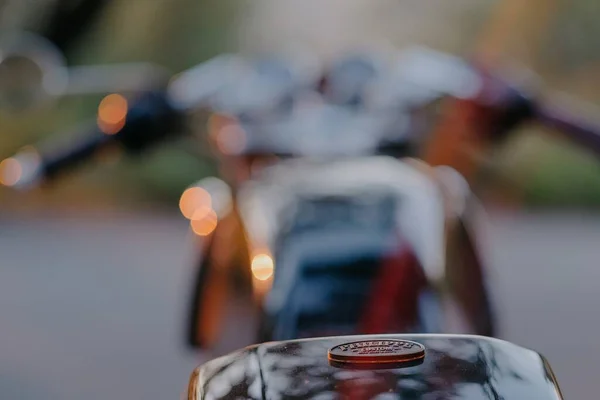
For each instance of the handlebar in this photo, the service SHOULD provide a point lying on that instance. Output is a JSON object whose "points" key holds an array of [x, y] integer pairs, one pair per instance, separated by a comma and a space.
{"points": [[511, 106], [581, 130], [159, 115], [53, 163], [152, 119]]}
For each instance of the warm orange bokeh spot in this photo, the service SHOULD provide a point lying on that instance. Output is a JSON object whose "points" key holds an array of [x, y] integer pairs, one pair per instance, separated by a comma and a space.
{"points": [[227, 135], [112, 113], [10, 172], [231, 139], [204, 221], [262, 266], [194, 199]]}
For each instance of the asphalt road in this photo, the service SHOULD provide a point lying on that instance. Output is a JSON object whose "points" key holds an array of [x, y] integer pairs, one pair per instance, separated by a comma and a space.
{"points": [[92, 306]]}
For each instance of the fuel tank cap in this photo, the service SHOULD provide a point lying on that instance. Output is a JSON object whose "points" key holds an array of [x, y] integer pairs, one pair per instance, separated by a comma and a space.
{"points": [[376, 354]]}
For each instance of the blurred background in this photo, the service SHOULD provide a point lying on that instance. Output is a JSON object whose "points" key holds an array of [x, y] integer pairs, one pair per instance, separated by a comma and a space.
{"points": [[558, 41], [94, 271]]}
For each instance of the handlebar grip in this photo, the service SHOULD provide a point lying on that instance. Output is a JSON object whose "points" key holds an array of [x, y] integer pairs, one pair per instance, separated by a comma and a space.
{"points": [[579, 129], [152, 119]]}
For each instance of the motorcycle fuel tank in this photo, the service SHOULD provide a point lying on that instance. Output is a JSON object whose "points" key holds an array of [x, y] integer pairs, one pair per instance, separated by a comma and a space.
{"points": [[379, 367]]}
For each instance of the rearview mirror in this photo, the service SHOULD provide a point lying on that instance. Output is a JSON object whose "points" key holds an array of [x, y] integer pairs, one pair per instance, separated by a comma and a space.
{"points": [[32, 72]]}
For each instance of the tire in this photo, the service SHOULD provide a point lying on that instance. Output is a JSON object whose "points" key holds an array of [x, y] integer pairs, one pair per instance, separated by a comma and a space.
{"points": [[222, 312], [265, 328], [466, 279], [207, 307]]}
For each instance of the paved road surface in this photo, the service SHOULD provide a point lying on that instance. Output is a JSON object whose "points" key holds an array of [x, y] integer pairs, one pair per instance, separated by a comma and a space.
{"points": [[92, 307], [546, 272]]}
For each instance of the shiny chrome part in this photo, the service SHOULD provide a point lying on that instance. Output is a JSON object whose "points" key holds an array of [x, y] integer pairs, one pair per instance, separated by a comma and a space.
{"points": [[209, 83], [33, 72], [440, 73]]}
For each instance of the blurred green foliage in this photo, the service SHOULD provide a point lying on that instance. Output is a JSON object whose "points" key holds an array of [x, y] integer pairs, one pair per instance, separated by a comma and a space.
{"points": [[546, 170]]}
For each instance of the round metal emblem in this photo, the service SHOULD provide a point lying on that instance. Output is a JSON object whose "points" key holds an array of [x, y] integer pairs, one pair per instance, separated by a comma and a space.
{"points": [[389, 353]]}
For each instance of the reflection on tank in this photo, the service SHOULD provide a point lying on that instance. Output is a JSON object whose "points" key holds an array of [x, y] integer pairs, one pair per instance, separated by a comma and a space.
{"points": [[458, 367]]}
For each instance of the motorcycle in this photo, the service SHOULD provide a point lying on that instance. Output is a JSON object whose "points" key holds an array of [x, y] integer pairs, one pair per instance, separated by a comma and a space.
{"points": [[419, 366], [331, 217], [330, 224], [345, 243]]}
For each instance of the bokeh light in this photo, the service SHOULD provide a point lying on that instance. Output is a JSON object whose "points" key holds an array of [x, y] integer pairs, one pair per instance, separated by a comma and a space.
{"points": [[204, 221], [112, 113], [229, 137], [11, 171], [262, 266], [194, 199]]}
